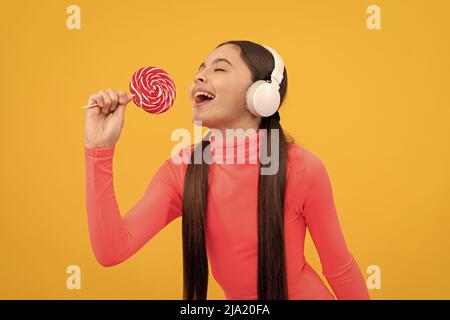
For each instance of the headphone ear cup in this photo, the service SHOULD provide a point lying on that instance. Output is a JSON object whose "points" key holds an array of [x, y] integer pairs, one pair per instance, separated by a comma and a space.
{"points": [[263, 98], [250, 97]]}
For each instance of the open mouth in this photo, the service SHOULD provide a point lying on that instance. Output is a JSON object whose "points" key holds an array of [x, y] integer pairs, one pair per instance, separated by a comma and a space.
{"points": [[202, 98]]}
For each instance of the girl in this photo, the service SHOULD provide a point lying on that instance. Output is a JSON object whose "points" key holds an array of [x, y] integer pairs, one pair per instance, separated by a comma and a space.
{"points": [[251, 227]]}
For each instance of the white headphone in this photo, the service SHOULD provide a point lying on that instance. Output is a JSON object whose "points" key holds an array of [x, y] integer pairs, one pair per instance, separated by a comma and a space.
{"points": [[263, 96]]}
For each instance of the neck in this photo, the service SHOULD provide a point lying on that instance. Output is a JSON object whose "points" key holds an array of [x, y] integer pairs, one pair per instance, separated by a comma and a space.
{"points": [[237, 147], [245, 125]]}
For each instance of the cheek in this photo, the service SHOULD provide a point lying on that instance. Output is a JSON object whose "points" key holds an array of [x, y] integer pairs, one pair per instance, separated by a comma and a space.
{"points": [[233, 92]]}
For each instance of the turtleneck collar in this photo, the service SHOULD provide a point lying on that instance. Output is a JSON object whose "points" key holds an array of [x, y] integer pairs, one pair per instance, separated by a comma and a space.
{"points": [[243, 150]]}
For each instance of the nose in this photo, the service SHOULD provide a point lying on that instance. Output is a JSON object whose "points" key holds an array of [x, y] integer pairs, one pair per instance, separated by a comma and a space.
{"points": [[199, 77]]}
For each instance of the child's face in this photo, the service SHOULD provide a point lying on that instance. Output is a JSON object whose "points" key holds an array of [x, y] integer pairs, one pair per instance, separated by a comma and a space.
{"points": [[228, 82]]}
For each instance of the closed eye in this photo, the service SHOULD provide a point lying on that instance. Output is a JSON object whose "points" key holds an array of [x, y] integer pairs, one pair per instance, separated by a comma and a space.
{"points": [[214, 70]]}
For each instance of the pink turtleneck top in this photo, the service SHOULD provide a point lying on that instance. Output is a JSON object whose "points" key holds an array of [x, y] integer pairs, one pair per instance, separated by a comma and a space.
{"points": [[231, 226]]}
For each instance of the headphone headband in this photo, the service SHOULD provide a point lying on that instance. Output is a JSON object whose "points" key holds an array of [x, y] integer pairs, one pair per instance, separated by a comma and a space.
{"points": [[277, 73], [263, 96]]}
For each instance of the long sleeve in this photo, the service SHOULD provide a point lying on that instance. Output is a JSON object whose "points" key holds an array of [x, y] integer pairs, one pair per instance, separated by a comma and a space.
{"points": [[114, 239], [338, 264]]}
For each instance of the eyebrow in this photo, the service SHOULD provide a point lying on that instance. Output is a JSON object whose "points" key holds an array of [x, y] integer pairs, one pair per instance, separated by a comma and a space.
{"points": [[216, 60]]}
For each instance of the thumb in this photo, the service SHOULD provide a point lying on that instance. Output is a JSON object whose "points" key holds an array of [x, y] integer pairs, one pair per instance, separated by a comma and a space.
{"points": [[130, 98], [121, 107]]}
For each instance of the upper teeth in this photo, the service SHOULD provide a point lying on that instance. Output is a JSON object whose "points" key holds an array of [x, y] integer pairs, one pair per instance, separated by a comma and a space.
{"points": [[205, 94]]}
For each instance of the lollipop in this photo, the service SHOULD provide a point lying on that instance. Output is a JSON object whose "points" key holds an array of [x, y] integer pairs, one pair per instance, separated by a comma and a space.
{"points": [[153, 90]]}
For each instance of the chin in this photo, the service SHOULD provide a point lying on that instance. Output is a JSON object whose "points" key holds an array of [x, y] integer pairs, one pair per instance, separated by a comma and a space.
{"points": [[199, 114], [205, 121], [208, 115], [198, 117]]}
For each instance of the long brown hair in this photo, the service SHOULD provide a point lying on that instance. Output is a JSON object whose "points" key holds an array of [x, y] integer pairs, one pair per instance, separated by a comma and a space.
{"points": [[272, 278]]}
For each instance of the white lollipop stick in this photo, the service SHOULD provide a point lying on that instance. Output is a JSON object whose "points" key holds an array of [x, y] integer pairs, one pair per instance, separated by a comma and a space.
{"points": [[95, 104]]}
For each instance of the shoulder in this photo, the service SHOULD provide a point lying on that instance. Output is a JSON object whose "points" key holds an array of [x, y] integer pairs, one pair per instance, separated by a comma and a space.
{"points": [[302, 161], [307, 176], [306, 170], [177, 165]]}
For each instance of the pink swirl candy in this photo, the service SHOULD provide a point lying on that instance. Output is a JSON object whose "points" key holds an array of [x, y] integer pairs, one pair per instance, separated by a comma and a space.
{"points": [[153, 89]]}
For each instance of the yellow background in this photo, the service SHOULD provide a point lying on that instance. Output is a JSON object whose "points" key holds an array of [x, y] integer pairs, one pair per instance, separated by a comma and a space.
{"points": [[373, 105]]}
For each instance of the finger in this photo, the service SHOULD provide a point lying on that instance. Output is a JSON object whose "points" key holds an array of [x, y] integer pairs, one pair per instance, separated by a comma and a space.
{"points": [[130, 98], [92, 99], [100, 101], [122, 98], [93, 102], [114, 99], [106, 101]]}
